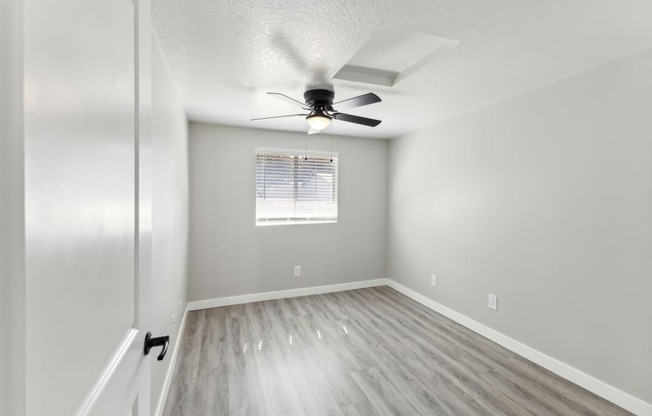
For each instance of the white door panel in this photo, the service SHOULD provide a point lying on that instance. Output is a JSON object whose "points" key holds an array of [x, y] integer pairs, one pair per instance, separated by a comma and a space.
{"points": [[85, 286], [123, 385]]}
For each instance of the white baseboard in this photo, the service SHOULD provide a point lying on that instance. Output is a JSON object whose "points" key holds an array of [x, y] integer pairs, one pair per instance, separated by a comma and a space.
{"points": [[283, 294], [171, 366], [600, 388]]}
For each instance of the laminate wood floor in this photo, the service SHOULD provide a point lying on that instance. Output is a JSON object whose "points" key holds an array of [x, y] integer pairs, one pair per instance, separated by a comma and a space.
{"points": [[361, 352]]}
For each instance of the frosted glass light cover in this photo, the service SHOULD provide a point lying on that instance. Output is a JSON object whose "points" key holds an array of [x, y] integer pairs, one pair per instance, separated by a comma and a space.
{"points": [[318, 122]]}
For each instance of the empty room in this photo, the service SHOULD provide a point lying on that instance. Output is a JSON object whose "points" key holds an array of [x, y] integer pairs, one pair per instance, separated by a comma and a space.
{"points": [[326, 208]]}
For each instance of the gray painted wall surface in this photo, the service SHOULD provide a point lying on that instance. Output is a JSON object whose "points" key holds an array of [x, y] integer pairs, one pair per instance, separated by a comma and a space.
{"points": [[169, 211], [12, 252], [229, 255], [546, 201], [5, 275], [5, 189]]}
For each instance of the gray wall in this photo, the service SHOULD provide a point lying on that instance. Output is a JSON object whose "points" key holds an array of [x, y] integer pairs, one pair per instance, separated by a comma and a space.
{"points": [[169, 211], [12, 253], [546, 201], [229, 255]]}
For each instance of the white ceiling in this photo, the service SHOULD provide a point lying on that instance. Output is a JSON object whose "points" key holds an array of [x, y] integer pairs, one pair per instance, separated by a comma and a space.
{"points": [[225, 54]]}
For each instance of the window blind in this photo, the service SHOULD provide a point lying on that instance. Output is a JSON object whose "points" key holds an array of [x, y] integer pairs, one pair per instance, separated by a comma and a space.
{"points": [[294, 187]]}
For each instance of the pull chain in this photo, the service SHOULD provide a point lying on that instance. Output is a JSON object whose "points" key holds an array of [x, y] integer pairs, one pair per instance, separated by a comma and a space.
{"points": [[331, 142], [305, 157]]}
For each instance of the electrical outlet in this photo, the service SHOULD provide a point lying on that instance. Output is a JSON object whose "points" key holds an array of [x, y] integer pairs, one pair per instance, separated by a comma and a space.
{"points": [[493, 302], [433, 280], [297, 271]]}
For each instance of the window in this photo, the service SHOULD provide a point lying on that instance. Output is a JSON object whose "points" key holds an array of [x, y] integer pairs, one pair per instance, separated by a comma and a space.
{"points": [[293, 187]]}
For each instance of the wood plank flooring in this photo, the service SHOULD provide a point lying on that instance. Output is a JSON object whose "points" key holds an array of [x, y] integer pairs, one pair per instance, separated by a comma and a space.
{"points": [[361, 352]]}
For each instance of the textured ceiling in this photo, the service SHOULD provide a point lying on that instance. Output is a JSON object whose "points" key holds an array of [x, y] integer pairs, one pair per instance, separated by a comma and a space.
{"points": [[225, 54]]}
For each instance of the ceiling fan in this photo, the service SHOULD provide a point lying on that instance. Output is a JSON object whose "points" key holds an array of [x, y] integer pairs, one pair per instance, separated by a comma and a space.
{"points": [[319, 103]]}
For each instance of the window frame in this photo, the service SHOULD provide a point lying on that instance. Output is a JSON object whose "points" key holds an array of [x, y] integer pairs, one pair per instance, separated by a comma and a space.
{"points": [[299, 156]]}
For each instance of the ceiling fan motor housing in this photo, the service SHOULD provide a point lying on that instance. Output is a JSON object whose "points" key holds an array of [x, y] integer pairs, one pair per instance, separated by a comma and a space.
{"points": [[319, 99], [320, 103]]}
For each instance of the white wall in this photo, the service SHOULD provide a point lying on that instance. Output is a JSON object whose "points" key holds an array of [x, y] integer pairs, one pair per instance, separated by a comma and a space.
{"points": [[169, 212], [229, 255], [546, 201], [12, 253]]}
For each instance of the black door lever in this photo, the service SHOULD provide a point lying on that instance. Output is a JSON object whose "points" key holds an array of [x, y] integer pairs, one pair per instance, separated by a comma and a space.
{"points": [[157, 342]]}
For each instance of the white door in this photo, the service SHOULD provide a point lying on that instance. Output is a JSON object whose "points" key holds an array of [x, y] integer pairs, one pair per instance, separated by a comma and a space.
{"points": [[87, 161]]}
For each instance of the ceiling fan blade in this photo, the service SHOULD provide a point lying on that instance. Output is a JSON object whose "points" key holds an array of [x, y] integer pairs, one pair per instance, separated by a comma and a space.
{"points": [[359, 101], [286, 98], [356, 119], [288, 115]]}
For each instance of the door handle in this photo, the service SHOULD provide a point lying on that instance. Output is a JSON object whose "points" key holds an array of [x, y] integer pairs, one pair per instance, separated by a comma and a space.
{"points": [[157, 342]]}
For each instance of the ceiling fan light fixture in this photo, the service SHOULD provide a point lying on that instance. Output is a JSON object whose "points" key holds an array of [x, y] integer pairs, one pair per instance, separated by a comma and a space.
{"points": [[318, 121], [320, 104]]}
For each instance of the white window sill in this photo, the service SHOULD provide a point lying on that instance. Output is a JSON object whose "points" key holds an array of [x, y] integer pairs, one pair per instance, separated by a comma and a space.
{"points": [[293, 222]]}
